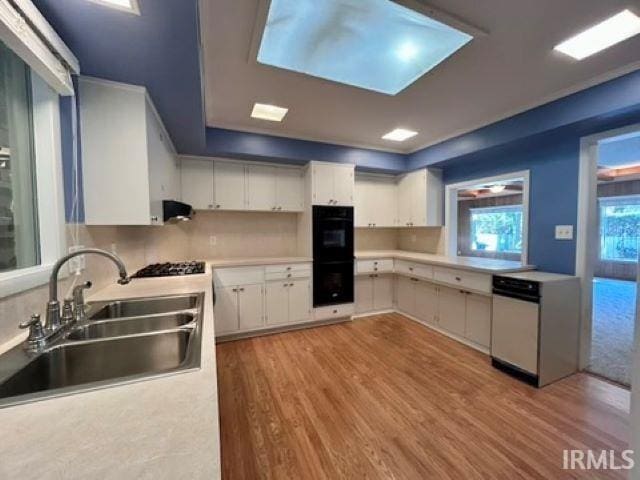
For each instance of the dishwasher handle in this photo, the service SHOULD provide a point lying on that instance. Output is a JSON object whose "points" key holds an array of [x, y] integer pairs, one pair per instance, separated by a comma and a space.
{"points": [[517, 295]]}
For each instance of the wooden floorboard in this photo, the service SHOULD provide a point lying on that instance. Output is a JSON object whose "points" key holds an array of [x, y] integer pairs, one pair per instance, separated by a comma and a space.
{"points": [[384, 397]]}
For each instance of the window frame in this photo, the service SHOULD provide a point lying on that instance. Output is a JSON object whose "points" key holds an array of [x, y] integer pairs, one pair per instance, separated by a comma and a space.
{"points": [[47, 150], [602, 202], [496, 208], [451, 209]]}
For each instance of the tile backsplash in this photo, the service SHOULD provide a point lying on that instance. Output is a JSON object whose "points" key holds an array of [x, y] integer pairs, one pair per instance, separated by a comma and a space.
{"points": [[418, 239]]}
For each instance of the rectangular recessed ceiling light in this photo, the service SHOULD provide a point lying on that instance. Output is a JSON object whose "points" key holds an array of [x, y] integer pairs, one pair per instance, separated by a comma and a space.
{"points": [[613, 30], [130, 6], [399, 135], [268, 112], [377, 45]]}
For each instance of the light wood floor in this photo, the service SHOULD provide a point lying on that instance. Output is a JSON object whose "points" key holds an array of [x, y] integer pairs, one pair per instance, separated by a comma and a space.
{"points": [[385, 397]]}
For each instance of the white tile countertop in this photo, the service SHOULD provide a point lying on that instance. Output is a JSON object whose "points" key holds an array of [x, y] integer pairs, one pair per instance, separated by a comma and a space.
{"points": [[160, 428], [484, 265], [254, 261]]}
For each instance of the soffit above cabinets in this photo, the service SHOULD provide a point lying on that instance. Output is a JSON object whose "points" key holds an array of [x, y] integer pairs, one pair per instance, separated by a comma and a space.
{"points": [[509, 67]]}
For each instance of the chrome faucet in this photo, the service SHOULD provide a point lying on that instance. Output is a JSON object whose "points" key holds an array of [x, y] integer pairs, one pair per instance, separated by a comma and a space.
{"points": [[53, 323]]}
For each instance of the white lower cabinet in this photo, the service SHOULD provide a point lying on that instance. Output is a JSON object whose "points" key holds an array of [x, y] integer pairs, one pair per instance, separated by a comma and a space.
{"points": [[373, 293], [478, 319], [288, 301], [463, 314], [238, 308], [255, 298], [451, 310]]}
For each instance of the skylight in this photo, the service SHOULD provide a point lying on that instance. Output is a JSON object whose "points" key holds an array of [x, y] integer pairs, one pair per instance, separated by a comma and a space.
{"points": [[372, 44], [613, 30], [130, 6]]}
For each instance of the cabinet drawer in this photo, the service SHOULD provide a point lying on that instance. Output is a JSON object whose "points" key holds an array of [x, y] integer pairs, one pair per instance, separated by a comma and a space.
{"points": [[223, 277], [282, 272], [382, 265], [334, 311], [478, 282], [414, 269]]}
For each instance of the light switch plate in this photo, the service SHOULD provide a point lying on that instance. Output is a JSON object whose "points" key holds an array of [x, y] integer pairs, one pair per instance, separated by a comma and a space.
{"points": [[564, 232]]}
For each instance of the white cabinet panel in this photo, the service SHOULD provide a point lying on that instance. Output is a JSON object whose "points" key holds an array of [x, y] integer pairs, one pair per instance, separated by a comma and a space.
{"points": [[226, 310], [405, 295], [382, 292], [478, 319], [362, 212], [229, 185], [420, 199], [426, 303], [299, 300], [277, 302], [364, 294], [479, 282], [380, 265], [375, 200], [197, 183], [343, 186], [261, 187], [250, 307], [451, 310], [322, 184], [289, 189], [404, 188]]}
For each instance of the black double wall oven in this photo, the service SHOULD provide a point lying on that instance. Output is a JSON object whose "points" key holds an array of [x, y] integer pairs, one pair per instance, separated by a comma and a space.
{"points": [[332, 255]]}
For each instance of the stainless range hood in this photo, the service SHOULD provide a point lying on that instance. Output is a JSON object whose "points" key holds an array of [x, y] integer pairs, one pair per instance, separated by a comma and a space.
{"points": [[174, 211]]}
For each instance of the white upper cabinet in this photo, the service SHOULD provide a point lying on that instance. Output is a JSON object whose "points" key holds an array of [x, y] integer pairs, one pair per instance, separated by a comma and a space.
{"points": [[332, 184], [221, 184], [289, 189], [197, 183], [261, 187], [128, 161], [420, 199], [229, 185], [376, 201]]}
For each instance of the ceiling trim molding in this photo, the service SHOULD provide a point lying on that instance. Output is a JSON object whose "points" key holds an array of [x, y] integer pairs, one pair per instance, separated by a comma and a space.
{"points": [[295, 136], [579, 87]]}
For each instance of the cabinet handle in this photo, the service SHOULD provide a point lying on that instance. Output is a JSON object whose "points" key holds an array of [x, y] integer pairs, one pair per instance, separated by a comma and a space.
{"points": [[210, 205], [218, 206], [291, 284], [375, 263], [411, 269], [242, 289], [458, 279], [288, 275], [335, 311], [234, 290], [154, 218], [279, 208], [284, 285], [288, 268]]}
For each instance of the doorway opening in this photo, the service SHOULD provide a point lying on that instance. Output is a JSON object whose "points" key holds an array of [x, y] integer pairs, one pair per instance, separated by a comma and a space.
{"points": [[608, 248]]}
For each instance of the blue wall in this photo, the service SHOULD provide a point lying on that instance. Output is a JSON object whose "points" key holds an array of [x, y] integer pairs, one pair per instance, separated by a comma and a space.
{"points": [[553, 165]]}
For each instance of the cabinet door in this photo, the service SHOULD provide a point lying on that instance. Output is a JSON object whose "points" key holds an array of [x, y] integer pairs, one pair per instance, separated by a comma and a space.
{"points": [[361, 211], [386, 204], [383, 292], [226, 310], [261, 187], [289, 189], [419, 198], [426, 302], [197, 183], [364, 294], [343, 185], [299, 300], [323, 184], [405, 295], [404, 200], [250, 307], [478, 319], [277, 302], [451, 310], [229, 185]]}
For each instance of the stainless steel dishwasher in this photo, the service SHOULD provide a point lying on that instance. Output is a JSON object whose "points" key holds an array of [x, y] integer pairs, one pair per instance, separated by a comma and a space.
{"points": [[535, 326]]}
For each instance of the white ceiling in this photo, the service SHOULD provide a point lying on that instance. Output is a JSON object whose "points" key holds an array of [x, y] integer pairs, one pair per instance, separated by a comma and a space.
{"points": [[509, 70]]}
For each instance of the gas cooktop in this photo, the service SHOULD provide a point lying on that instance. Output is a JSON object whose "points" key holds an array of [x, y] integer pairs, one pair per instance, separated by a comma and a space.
{"points": [[169, 269]]}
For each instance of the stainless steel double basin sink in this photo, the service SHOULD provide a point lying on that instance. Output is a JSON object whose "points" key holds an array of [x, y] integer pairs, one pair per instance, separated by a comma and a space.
{"points": [[123, 341]]}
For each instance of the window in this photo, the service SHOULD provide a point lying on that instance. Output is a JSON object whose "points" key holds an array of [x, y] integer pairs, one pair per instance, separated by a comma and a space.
{"points": [[19, 242], [619, 228], [497, 229]]}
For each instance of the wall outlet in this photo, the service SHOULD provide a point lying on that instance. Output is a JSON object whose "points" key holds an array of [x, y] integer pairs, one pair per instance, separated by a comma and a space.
{"points": [[564, 232], [76, 264], [213, 240]]}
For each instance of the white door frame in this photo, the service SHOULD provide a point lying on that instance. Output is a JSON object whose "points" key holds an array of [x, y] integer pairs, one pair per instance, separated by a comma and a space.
{"points": [[587, 229], [451, 210]]}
